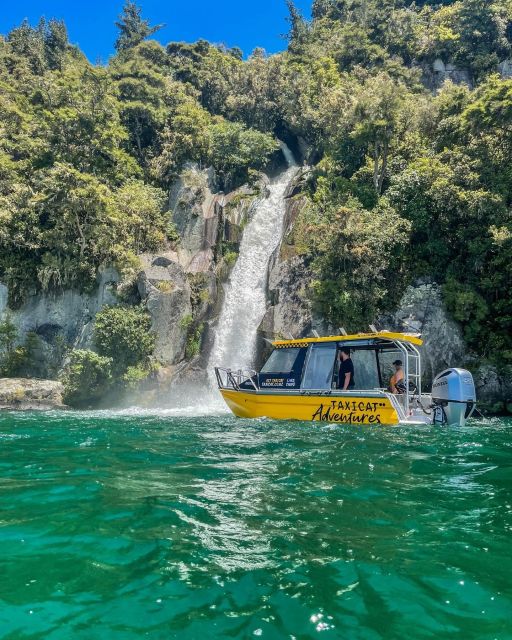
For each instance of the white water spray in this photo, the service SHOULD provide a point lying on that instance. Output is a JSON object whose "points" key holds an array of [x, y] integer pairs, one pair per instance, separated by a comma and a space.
{"points": [[245, 293]]}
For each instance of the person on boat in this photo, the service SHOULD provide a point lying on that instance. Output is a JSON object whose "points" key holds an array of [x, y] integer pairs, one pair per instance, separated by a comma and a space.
{"points": [[346, 370], [396, 383]]}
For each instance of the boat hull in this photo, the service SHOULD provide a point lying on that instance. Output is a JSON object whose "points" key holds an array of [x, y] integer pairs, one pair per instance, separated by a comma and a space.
{"points": [[341, 408]]}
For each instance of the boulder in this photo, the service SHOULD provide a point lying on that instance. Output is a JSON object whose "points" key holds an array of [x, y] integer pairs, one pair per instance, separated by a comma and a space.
{"points": [[493, 388], [29, 394]]}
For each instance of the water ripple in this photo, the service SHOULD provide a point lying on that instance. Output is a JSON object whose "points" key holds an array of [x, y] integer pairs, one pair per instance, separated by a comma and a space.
{"points": [[155, 525]]}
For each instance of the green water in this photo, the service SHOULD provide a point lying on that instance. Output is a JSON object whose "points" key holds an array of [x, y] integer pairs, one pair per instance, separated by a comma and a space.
{"points": [[156, 526]]}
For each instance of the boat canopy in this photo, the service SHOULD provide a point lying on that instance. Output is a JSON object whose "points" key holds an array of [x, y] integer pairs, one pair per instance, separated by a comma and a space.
{"points": [[378, 338]]}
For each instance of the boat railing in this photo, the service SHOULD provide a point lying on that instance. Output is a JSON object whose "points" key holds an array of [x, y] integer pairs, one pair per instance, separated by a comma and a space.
{"points": [[232, 379], [412, 373]]}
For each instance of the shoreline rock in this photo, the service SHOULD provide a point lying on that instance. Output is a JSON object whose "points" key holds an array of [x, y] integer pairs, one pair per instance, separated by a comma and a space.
{"points": [[28, 394]]}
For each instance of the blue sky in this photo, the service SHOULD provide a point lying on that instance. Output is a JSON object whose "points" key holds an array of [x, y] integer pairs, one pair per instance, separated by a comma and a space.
{"points": [[242, 23]]}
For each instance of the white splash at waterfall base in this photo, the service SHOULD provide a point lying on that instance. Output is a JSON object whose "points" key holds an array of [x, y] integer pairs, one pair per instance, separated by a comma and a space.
{"points": [[245, 293]]}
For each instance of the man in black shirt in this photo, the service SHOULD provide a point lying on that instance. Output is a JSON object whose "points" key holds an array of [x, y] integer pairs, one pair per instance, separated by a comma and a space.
{"points": [[346, 371]]}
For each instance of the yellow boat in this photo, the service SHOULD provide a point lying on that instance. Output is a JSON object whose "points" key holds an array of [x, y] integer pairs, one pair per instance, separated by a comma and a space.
{"points": [[299, 382]]}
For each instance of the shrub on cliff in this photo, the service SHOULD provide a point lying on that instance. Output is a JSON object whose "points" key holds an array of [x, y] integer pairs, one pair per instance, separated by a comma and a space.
{"points": [[18, 359], [124, 335], [357, 259], [87, 379], [124, 343], [233, 149]]}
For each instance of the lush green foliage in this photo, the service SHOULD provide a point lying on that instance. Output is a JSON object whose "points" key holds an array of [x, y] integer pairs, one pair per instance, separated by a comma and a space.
{"points": [[124, 334], [87, 153], [88, 377], [358, 258], [124, 346], [405, 181]]}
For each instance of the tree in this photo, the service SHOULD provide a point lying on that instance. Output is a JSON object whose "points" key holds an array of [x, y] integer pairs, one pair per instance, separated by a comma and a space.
{"points": [[28, 43], [376, 115], [298, 29], [87, 378], [233, 149], [132, 28], [142, 223], [144, 95], [357, 261], [124, 335], [78, 123], [43, 47], [184, 138]]}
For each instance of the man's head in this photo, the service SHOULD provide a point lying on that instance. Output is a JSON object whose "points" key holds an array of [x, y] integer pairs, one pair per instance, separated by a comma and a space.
{"points": [[344, 353], [397, 364]]}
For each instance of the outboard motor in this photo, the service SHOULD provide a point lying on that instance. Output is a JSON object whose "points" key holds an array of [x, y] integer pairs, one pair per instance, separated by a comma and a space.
{"points": [[453, 397]]}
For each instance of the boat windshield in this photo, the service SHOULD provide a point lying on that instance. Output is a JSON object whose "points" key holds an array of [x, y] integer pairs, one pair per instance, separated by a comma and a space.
{"points": [[281, 361]]}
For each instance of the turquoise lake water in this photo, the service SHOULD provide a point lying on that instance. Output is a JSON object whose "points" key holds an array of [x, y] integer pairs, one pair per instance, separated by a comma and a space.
{"points": [[129, 525]]}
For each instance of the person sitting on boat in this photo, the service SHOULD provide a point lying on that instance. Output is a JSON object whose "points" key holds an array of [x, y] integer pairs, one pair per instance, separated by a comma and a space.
{"points": [[397, 383], [346, 370]]}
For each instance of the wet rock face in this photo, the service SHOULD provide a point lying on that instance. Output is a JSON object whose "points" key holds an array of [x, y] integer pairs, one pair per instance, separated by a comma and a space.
{"points": [[25, 394], [164, 289], [64, 317], [289, 313], [236, 209], [289, 310], [440, 71], [422, 310], [195, 210], [205, 218], [494, 389]]}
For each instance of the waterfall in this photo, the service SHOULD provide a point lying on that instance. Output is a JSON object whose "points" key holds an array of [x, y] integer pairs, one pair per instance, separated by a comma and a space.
{"points": [[245, 293]]}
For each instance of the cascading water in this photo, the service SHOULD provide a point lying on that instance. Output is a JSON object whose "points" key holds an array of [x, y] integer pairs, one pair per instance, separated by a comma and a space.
{"points": [[245, 296]]}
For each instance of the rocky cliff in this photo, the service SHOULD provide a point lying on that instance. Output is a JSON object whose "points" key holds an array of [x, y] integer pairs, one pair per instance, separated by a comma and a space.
{"points": [[434, 75], [422, 310], [179, 286], [60, 320]]}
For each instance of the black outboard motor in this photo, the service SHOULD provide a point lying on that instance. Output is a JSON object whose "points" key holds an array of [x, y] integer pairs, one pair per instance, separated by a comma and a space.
{"points": [[453, 397]]}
